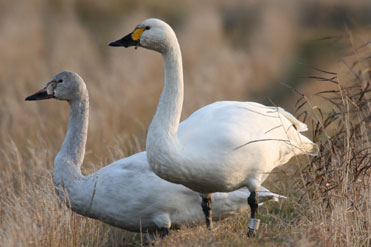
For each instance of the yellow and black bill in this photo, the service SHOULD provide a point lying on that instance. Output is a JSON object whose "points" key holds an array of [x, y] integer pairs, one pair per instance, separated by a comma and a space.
{"points": [[132, 39]]}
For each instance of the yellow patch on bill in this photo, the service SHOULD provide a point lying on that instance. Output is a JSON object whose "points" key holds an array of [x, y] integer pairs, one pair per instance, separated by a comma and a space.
{"points": [[137, 33]]}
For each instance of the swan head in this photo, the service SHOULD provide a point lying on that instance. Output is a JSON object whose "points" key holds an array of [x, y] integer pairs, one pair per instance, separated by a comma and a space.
{"points": [[64, 86], [153, 34]]}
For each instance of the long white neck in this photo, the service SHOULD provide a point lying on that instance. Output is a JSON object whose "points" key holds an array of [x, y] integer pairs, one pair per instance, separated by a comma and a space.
{"points": [[69, 159], [164, 126]]}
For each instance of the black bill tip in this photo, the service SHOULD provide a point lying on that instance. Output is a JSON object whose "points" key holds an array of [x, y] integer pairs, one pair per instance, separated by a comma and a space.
{"points": [[115, 43], [126, 42], [40, 95]]}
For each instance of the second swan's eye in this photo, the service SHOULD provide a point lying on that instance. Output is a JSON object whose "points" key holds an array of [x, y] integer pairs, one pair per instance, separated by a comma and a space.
{"points": [[60, 80], [148, 28]]}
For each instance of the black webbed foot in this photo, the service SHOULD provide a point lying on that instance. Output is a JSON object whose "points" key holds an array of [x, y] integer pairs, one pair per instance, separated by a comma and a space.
{"points": [[251, 233], [164, 232]]}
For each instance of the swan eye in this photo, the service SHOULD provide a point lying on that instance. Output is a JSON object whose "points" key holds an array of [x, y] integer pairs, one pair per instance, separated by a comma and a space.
{"points": [[148, 27], [60, 80]]}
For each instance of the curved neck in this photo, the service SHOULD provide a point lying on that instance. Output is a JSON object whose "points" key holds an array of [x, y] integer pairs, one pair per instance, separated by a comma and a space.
{"points": [[69, 159], [166, 120]]}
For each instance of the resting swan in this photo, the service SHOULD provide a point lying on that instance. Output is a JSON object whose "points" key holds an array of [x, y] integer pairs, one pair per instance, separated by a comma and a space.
{"points": [[126, 193], [221, 147]]}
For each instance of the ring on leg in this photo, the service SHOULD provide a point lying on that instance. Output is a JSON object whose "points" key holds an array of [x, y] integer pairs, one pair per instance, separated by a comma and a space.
{"points": [[254, 222], [253, 226]]}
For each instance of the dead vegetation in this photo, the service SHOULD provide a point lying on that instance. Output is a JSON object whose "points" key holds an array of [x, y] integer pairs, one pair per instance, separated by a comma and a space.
{"points": [[338, 180], [329, 201]]}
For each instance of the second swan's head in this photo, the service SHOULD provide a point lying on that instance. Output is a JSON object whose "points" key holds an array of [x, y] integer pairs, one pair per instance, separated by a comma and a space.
{"points": [[64, 86], [153, 34]]}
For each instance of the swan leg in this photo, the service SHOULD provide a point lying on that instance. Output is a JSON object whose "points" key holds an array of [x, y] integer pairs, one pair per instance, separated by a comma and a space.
{"points": [[254, 222], [206, 208], [164, 232]]}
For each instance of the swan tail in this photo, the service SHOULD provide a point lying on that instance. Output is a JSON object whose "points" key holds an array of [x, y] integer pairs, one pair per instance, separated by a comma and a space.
{"points": [[265, 195], [300, 126], [228, 204], [306, 145]]}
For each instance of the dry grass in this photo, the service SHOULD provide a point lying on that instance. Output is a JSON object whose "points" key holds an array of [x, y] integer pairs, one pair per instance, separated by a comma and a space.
{"points": [[329, 200], [339, 179]]}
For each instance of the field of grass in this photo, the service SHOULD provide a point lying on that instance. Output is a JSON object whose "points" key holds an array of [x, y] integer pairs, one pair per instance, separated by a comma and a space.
{"points": [[312, 58]]}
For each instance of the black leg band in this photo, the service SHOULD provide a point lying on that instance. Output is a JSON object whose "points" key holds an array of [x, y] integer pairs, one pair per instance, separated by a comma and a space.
{"points": [[254, 222], [206, 208]]}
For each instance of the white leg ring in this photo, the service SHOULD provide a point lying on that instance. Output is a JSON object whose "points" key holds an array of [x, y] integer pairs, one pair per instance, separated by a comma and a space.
{"points": [[254, 224]]}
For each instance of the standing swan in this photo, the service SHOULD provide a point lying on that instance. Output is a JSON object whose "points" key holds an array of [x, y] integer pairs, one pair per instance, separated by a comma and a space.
{"points": [[126, 193], [221, 147]]}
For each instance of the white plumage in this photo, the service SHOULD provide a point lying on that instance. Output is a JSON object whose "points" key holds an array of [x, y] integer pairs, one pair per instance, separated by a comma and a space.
{"points": [[126, 193], [221, 147]]}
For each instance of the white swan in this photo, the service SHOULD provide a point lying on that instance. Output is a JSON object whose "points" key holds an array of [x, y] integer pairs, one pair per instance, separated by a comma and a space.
{"points": [[221, 147], [126, 193]]}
